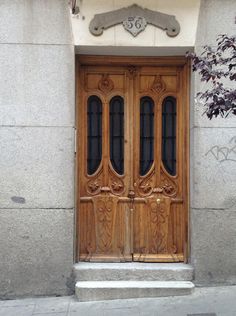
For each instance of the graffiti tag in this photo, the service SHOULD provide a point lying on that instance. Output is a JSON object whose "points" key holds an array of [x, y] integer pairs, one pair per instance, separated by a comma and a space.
{"points": [[224, 153]]}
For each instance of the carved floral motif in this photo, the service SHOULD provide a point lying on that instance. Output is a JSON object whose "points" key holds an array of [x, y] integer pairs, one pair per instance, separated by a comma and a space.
{"points": [[158, 85], [145, 186], [117, 186], [168, 185], [94, 185], [105, 215], [116, 183], [159, 210], [105, 84], [132, 72]]}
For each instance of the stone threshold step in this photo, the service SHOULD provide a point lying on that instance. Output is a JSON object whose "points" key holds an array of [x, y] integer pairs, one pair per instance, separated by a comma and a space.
{"points": [[110, 290], [90, 271]]}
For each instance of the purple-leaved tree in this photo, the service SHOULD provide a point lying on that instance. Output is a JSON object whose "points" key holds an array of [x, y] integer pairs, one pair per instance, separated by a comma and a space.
{"points": [[217, 66]]}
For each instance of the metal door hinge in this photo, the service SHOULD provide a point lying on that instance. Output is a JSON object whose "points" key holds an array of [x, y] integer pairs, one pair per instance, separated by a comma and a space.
{"points": [[75, 140]]}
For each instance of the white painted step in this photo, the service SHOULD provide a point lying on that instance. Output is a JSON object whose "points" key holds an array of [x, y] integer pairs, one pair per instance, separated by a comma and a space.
{"points": [[136, 271], [110, 290]]}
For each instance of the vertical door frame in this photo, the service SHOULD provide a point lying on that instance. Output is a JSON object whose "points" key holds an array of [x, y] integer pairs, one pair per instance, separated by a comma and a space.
{"points": [[179, 61]]}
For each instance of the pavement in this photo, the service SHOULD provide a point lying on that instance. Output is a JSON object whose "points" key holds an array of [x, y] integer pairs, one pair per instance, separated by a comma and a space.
{"points": [[212, 301]]}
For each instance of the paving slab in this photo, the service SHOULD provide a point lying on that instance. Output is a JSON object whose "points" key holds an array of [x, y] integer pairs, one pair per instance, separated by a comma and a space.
{"points": [[203, 302], [52, 314], [52, 305], [17, 311]]}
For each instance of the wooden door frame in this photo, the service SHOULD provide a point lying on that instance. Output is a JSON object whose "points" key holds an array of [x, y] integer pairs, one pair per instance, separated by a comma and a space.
{"points": [[179, 61]]}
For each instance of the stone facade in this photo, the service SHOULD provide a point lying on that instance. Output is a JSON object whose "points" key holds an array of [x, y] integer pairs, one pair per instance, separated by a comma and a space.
{"points": [[37, 140], [37, 148], [213, 181]]}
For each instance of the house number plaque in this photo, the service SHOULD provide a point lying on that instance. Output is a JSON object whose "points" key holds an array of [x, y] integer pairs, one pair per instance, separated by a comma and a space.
{"points": [[134, 19]]}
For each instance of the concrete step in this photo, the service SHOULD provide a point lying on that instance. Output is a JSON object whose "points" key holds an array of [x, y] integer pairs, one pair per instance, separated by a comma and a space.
{"points": [[90, 271], [110, 290]]}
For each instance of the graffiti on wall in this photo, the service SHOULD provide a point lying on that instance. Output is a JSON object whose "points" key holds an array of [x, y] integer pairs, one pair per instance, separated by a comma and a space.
{"points": [[224, 153]]}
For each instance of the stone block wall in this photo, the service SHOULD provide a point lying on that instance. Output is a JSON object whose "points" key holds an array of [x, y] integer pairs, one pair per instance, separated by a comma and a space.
{"points": [[36, 148], [213, 167]]}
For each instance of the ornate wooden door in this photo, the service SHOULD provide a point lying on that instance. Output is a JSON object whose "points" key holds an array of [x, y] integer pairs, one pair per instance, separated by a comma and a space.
{"points": [[132, 159]]}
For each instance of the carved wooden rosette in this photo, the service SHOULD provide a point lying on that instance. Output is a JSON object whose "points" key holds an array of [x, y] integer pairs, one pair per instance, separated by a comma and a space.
{"points": [[95, 183], [168, 185], [105, 84], [146, 184], [116, 183]]}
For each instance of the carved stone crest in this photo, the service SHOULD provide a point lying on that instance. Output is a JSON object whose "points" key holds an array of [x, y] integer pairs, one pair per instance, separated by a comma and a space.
{"points": [[134, 20], [135, 24]]}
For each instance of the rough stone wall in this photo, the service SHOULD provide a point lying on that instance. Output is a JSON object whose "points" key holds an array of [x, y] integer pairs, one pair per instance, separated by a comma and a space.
{"points": [[36, 148], [213, 168]]}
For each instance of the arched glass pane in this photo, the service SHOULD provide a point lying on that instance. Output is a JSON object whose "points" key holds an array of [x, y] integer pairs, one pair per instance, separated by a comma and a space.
{"points": [[117, 134], [146, 134], [94, 124], [169, 134]]}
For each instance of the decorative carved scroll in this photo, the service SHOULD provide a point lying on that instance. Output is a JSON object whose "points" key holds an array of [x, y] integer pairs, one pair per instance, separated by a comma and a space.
{"points": [[105, 84], [116, 183], [105, 216], [94, 185], [134, 20], [168, 186], [158, 85], [159, 210], [145, 186], [132, 72], [117, 186]]}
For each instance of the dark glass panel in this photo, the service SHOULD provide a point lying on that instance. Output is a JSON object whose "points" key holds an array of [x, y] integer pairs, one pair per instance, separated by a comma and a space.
{"points": [[146, 134], [94, 123], [117, 134], [169, 134]]}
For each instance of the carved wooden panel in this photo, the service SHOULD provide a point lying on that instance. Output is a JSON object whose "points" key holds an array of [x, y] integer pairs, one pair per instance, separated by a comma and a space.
{"points": [[104, 208], [129, 216]]}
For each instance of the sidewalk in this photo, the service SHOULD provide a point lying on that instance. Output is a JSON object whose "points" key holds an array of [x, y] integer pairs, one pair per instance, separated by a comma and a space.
{"points": [[214, 301]]}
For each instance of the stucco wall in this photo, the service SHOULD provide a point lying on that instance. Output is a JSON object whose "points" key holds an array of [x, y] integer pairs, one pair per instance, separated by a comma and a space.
{"points": [[36, 148], [186, 13], [213, 167]]}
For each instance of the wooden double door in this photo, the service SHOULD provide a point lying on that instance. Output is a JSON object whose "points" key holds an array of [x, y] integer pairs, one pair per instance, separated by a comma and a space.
{"points": [[132, 154]]}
